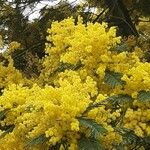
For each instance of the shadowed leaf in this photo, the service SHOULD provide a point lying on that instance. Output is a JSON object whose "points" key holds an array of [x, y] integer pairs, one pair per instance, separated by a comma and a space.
{"points": [[113, 79], [89, 144], [96, 129], [144, 96]]}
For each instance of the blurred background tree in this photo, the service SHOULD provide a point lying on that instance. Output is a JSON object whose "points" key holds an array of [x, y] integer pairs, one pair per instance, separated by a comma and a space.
{"points": [[15, 24]]}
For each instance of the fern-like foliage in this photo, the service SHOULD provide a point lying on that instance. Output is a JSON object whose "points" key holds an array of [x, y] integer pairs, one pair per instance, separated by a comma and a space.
{"points": [[3, 113], [120, 147], [119, 100], [89, 144], [92, 142], [114, 101], [63, 142], [66, 66], [147, 56], [113, 79], [96, 129], [38, 140], [55, 147], [7, 129], [146, 142], [120, 48], [144, 96], [129, 138]]}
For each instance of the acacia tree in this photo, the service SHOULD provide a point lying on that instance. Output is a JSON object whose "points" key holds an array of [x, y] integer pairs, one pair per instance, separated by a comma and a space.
{"points": [[85, 88], [90, 94]]}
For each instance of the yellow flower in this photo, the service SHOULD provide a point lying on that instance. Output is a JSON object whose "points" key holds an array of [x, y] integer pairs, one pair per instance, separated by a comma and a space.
{"points": [[75, 125], [148, 130]]}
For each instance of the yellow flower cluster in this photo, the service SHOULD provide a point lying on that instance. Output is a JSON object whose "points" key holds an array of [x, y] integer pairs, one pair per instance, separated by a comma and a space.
{"points": [[138, 121], [91, 46], [78, 58], [49, 111], [111, 139], [13, 46], [137, 78], [8, 73], [78, 43]]}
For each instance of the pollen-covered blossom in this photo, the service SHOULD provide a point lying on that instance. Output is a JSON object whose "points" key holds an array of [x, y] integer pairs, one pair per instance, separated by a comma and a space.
{"points": [[111, 139], [50, 111], [9, 75], [137, 78], [72, 44], [83, 78], [90, 46], [138, 121], [14, 45]]}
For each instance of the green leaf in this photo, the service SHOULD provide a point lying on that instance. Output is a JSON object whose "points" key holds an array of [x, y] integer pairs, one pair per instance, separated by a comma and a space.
{"points": [[120, 48], [144, 96], [120, 147], [147, 56], [113, 79], [119, 100], [96, 129], [56, 147], [38, 140], [89, 144], [129, 137], [3, 113], [8, 130], [66, 66], [115, 101], [146, 142]]}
